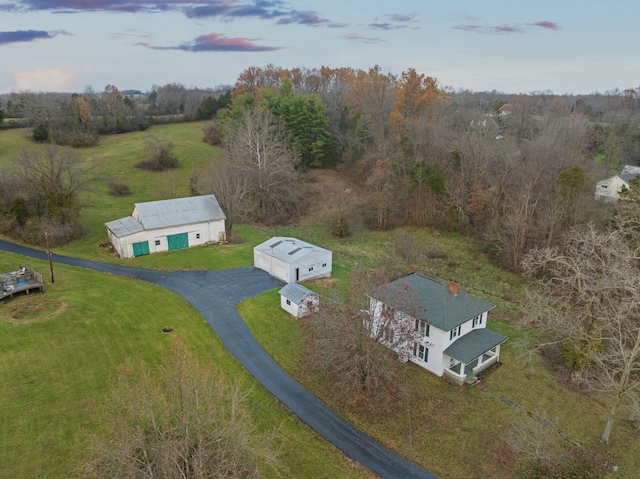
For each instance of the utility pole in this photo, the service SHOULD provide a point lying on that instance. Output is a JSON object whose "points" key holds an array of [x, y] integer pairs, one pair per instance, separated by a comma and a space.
{"points": [[46, 241]]}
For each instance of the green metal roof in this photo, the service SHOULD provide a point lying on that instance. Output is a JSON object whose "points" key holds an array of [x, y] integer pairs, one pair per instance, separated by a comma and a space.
{"points": [[435, 302], [474, 344]]}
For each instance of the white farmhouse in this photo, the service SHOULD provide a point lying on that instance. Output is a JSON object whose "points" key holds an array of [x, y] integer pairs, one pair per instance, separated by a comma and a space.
{"points": [[608, 190], [292, 260], [298, 300], [167, 225], [436, 326]]}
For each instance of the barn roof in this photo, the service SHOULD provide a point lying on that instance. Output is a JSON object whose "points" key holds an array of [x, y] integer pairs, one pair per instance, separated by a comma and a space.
{"points": [[289, 250], [440, 304], [124, 226], [295, 292], [178, 211]]}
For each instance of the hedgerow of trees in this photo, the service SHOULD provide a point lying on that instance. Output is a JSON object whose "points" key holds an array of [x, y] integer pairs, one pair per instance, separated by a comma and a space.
{"points": [[40, 197]]}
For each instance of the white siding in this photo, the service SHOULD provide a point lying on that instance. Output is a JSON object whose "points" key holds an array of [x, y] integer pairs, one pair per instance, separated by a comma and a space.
{"points": [[437, 341], [607, 191], [291, 308], [208, 233]]}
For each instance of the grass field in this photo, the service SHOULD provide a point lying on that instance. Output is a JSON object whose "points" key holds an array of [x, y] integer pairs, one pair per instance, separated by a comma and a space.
{"points": [[59, 351], [463, 429]]}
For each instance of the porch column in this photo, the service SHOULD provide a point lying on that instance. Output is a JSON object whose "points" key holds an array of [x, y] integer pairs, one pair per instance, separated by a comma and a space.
{"points": [[462, 369]]}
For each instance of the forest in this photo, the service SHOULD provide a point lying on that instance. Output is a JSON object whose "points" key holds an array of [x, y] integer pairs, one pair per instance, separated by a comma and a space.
{"points": [[515, 171]]}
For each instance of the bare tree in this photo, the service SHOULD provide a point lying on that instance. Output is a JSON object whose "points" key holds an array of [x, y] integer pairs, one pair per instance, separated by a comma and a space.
{"points": [[344, 348], [185, 420], [57, 174], [255, 144], [231, 187], [588, 300]]}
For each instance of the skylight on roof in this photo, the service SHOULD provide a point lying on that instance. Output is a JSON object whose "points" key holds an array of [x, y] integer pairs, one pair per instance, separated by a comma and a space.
{"points": [[275, 244], [294, 251]]}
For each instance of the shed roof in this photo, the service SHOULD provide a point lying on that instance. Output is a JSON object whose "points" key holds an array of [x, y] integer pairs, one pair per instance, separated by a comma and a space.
{"points": [[295, 292], [474, 344], [289, 250], [178, 211], [124, 226], [441, 305]]}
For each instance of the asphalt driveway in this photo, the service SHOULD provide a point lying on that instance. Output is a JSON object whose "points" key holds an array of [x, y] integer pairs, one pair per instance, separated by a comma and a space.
{"points": [[215, 295]]}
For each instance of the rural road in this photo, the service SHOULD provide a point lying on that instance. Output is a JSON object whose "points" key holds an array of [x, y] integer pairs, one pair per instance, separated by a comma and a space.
{"points": [[215, 295]]}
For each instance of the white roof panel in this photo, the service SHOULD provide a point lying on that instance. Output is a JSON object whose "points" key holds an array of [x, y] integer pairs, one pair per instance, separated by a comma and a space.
{"points": [[289, 250], [179, 211], [124, 226]]}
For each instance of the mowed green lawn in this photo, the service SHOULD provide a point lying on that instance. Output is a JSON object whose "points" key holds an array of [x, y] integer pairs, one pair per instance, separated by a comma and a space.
{"points": [[59, 355], [60, 351], [113, 160]]}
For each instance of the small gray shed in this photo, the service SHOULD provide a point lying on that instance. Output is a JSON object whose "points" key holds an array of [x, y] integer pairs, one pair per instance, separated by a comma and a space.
{"points": [[167, 225], [298, 300]]}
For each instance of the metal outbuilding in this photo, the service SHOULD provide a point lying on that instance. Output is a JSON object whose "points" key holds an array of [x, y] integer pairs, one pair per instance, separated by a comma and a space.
{"points": [[292, 260], [298, 300], [168, 225]]}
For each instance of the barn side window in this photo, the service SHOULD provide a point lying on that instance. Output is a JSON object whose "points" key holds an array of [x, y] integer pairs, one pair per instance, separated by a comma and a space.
{"points": [[311, 269], [288, 302], [157, 242], [197, 235]]}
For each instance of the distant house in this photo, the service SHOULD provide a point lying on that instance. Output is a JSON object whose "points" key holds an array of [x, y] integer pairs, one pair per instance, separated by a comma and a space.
{"points": [[436, 326], [298, 300], [608, 190], [167, 225], [292, 260], [504, 110]]}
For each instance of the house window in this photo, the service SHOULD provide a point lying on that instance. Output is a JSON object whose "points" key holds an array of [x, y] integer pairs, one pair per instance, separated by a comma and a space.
{"points": [[420, 352], [389, 335], [476, 321], [197, 235], [157, 242], [455, 332], [288, 302], [422, 327]]}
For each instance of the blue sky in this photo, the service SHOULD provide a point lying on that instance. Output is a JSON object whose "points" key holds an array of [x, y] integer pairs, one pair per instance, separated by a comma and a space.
{"points": [[515, 47]]}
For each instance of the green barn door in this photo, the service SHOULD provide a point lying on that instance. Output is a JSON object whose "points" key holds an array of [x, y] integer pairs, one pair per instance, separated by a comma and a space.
{"points": [[179, 241], [141, 248]]}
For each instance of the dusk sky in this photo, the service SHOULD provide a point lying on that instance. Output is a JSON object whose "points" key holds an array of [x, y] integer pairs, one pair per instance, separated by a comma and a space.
{"points": [[510, 46]]}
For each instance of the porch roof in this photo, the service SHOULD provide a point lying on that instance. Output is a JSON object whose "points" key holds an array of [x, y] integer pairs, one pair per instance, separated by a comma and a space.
{"points": [[474, 344]]}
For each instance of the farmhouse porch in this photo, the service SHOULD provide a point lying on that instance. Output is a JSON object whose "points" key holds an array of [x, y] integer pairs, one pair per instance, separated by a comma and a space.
{"points": [[472, 354]]}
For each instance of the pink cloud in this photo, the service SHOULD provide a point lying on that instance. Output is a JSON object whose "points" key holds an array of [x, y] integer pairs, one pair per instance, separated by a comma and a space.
{"points": [[45, 80], [216, 42], [549, 25]]}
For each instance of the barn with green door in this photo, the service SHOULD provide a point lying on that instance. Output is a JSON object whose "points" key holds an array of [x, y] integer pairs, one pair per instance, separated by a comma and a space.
{"points": [[167, 225]]}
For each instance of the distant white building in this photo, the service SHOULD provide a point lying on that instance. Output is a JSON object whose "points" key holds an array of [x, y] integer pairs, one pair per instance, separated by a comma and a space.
{"points": [[608, 190], [167, 225], [292, 260], [298, 300]]}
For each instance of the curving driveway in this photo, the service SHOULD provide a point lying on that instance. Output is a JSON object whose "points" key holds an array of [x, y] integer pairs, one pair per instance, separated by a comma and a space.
{"points": [[215, 295]]}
